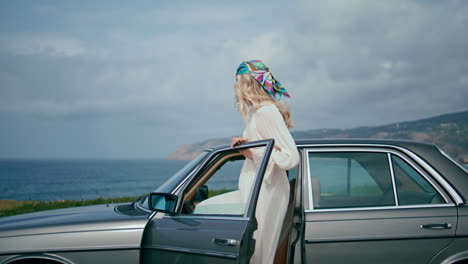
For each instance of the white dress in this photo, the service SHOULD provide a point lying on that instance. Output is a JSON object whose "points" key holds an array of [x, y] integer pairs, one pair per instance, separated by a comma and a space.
{"points": [[267, 122]]}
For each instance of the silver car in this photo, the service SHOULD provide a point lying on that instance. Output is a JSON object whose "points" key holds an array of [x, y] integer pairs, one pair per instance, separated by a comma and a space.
{"points": [[351, 201]]}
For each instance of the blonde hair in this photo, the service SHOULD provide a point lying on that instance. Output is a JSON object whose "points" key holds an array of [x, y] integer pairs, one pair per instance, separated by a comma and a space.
{"points": [[250, 96]]}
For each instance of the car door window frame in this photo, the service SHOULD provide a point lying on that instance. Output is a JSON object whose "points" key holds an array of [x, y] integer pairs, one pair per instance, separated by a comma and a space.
{"points": [[205, 176], [211, 159], [420, 172], [437, 185], [348, 150]]}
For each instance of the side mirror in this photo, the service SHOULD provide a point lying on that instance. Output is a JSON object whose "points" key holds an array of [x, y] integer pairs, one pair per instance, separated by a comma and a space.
{"points": [[202, 194], [163, 202]]}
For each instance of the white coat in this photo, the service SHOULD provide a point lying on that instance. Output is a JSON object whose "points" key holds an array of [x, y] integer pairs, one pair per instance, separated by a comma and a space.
{"points": [[265, 123]]}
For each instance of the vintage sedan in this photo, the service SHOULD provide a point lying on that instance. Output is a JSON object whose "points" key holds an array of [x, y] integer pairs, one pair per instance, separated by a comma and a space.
{"points": [[351, 201]]}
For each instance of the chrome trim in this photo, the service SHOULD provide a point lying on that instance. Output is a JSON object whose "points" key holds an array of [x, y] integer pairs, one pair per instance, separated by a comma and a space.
{"points": [[138, 206], [195, 251], [309, 179], [422, 174], [452, 192], [52, 257], [388, 149], [304, 184], [452, 160], [152, 215], [209, 217], [436, 226], [463, 256], [71, 232], [183, 184], [392, 174], [390, 207], [190, 175], [71, 250], [209, 153], [226, 242], [346, 240]]}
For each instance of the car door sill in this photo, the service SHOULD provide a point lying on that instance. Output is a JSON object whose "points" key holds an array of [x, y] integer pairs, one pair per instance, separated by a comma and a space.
{"points": [[194, 251], [311, 241]]}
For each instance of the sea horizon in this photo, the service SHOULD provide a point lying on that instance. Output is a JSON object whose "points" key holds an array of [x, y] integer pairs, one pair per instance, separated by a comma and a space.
{"points": [[51, 179]]}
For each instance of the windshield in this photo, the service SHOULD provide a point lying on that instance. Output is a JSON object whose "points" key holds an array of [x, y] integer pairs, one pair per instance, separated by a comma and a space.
{"points": [[170, 184]]}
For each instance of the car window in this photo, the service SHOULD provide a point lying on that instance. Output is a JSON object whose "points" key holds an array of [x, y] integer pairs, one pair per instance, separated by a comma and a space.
{"points": [[412, 187], [170, 184], [350, 179], [216, 190]]}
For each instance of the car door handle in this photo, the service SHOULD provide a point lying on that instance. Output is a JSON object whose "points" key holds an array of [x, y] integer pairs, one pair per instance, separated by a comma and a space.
{"points": [[225, 242], [436, 226]]}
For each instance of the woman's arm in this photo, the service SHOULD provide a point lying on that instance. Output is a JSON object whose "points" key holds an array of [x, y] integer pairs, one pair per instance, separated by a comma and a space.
{"points": [[238, 140], [270, 124]]}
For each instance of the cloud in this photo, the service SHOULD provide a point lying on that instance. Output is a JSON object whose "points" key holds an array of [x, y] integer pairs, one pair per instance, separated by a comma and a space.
{"points": [[171, 67], [368, 62], [200, 15], [334, 55], [50, 45], [177, 55]]}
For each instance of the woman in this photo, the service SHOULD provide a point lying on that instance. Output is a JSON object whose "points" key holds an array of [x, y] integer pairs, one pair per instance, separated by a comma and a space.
{"points": [[258, 94]]}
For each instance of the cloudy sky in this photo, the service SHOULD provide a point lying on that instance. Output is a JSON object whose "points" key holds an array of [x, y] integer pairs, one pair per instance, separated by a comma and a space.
{"points": [[132, 79]]}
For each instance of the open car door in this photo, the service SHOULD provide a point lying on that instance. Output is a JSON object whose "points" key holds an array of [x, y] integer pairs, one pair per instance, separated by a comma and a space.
{"points": [[207, 218]]}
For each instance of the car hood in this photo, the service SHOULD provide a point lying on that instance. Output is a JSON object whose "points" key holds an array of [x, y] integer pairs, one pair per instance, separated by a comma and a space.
{"points": [[76, 219]]}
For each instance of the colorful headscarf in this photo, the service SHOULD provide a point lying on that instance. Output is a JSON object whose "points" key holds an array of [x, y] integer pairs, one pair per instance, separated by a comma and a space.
{"points": [[261, 73]]}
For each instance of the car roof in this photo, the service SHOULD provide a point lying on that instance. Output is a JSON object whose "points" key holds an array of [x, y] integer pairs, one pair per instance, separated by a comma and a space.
{"points": [[358, 141]]}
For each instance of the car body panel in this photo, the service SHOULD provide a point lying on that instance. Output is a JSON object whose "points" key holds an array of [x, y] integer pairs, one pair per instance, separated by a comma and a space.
{"points": [[392, 234], [462, 230], [458, 249], [72, 241], [76, 219], [74, 233], [379, 235], [164, 242]]}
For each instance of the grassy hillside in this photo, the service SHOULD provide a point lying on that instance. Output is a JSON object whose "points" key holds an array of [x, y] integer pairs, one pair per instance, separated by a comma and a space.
{"points": [[449, 132]]}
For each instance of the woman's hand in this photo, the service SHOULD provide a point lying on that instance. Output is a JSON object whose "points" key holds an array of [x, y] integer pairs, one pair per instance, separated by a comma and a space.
{"points": [[238, 140]]}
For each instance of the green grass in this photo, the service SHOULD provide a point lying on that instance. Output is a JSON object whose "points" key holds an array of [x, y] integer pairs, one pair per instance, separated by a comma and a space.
{"points": [[212, 193], [10, 207]]}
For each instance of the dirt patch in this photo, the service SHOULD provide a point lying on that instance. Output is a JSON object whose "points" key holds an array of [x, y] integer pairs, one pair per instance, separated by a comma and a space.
{"points": [[8, 204]]}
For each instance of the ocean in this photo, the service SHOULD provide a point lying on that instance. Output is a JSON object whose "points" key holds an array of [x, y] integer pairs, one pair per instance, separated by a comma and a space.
{"points": [[50, 180]]}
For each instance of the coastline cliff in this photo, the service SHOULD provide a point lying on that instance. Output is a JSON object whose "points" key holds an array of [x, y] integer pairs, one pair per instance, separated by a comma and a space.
{"points": [[449, 132]]}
